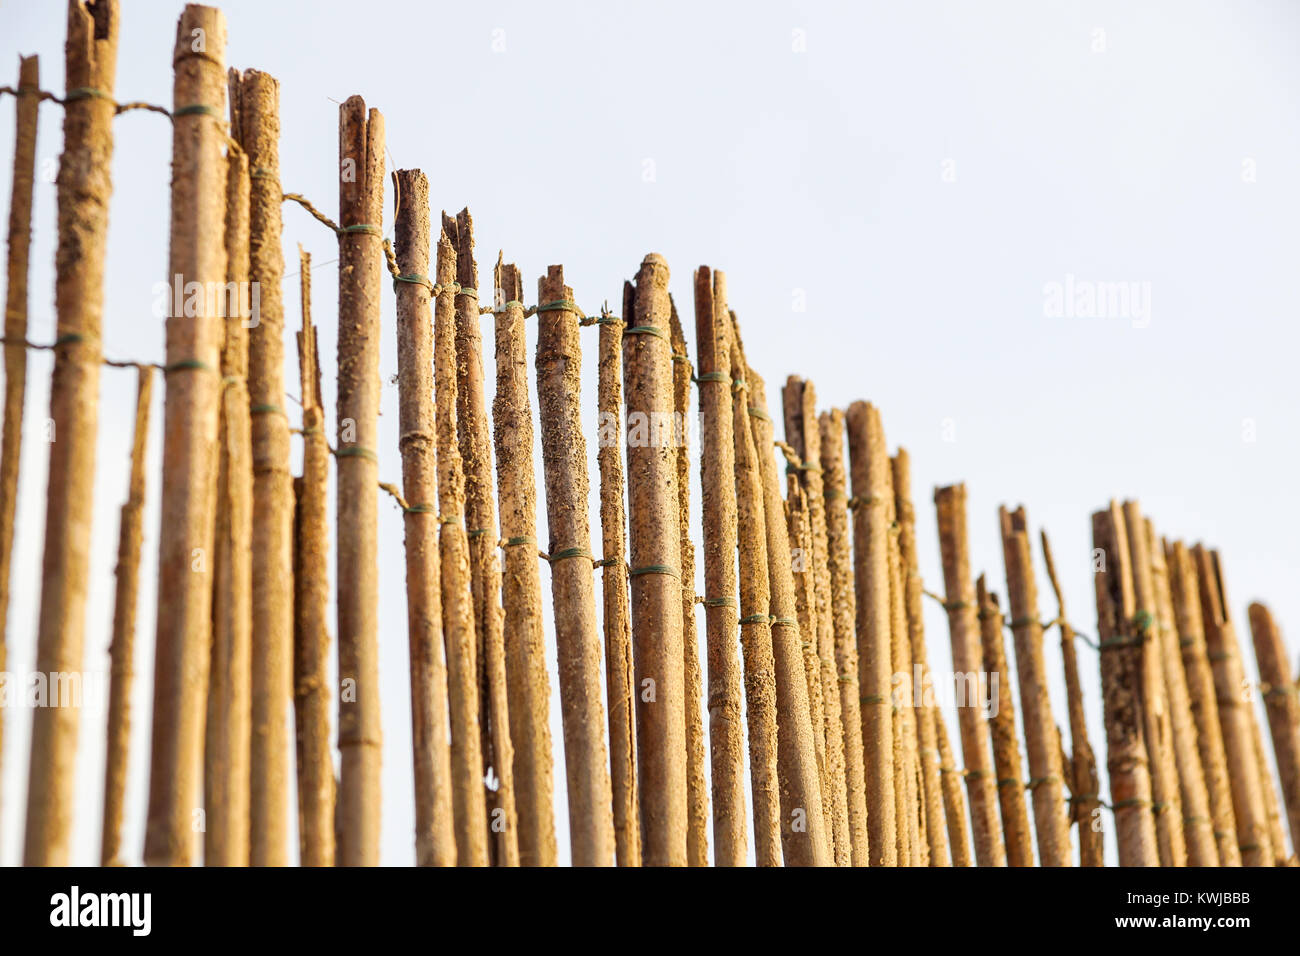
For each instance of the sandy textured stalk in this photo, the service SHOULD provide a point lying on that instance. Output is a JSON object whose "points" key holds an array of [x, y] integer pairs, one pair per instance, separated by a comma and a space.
{"points": [[255, 106], [1121, 691], [655, 555], [868, 463], [954, 807], [361, 271], [718, 510], [755, 624], [804, 435], [912, 848], [927, 714], [469, 801], [697, 788], [1198, 827], [968, 668], [475, 438], [1279, 690], [844, 612], [84, 189], [1167, 804], [619, 676], [1042, 741], [122, 649], [229, 719], [1248, 807], [15, 328], [1201, 699], [1002, 728], [311, 690], [435, 838], [529, 685], [184, 629], [564, 460], [1085, 789]]}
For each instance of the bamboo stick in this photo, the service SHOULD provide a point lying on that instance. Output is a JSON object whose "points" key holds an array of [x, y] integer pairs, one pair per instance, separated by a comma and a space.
{"points": [[756, 624], [1042, 742], [697, 792], [803, 433], [718, 508], [1283, 711], [229, 717], [564, 460], [255, 111], [868, 462], [15, 328], [84, 188], [1198, 827], [184, 628], [1248, 807], [122, 649], [953, 805], [468, 797], [1201, 700], [927, 714], [311, 695], [485, 578], [529, 686], [1121, 689], [1167, 802], [967, 662], [912, 848], [435, 838], [655, 549], [840, 570], [1085, 789], [1002, 727]]}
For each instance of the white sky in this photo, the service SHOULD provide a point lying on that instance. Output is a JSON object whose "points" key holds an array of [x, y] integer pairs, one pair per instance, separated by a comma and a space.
{"points": [[915, 176]]}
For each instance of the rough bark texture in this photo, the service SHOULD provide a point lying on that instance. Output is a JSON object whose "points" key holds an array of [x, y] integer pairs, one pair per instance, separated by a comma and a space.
{"points": [[122, 650], [564, 460], [718, 509], [255, 102], [655, 556], [843, 604], [968, 665], [1121, 690], [529, 686], [184, 630], [84, 188], [954, 807], [1279, 692], [435, 837], [912, 848]]}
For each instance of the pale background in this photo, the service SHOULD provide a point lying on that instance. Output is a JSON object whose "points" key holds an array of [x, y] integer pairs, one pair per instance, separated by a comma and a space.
{"points": [[913, 173]]}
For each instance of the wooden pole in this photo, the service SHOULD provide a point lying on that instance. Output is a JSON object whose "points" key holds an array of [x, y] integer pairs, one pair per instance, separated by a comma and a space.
{"points": [[564, 460], [718, 508], [619, 675], [954, 807], [1198, 827], [912, 847], [255, 108], [475, 438], [435, 839], [229, 718], [1002, 727], [655, 554], [968, 665], [311, 692], [1085, 789], [468, 797], [1279, 692], [84, 188], [1121, 689], [529, 686], [697, 788], [844, 611], [197, 255], [122, 649], [1042, 742]]}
